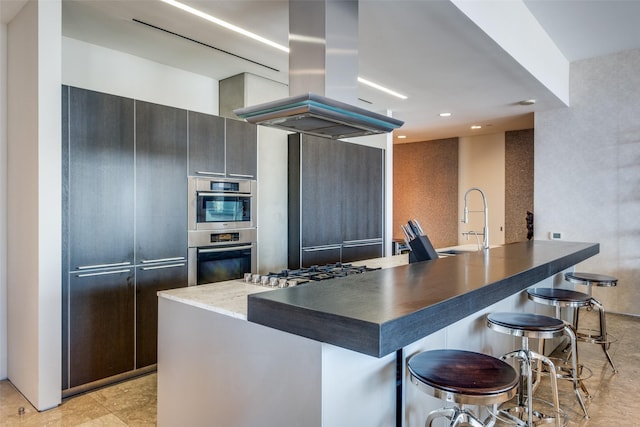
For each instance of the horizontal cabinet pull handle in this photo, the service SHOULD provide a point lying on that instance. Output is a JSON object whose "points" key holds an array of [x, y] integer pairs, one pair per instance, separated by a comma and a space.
{"points": [[149, 261], [91, 267], [240, 175], [362, 242], [321, 248], [210, 173], [104, 273], [358, 245], [225, 249], [158, 267]]}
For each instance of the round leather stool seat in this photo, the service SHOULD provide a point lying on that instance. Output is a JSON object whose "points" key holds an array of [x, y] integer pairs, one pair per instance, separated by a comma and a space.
{"points": [[591, 279], [463, 377], [526, 324], [559, 297]]}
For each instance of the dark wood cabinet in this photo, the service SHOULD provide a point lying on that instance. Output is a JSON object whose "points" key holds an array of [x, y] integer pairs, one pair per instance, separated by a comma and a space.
{"points": [[206, 145], [161, 183], [149, 281], [322, 189], [336, 201], [101, 325], [241, 149], [124, 230], [222, 147], [161, 216], [99, 153], [98, 236], [363, 201]]}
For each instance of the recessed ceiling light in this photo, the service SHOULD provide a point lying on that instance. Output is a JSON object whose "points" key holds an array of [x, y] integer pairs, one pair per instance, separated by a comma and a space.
{"points": [[527, 102], [476, 127], [445, 114], [381, 88], [401, 136]]}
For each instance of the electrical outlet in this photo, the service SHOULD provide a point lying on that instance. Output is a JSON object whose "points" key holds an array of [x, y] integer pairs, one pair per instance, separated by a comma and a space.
{"points": [[555, 235]]}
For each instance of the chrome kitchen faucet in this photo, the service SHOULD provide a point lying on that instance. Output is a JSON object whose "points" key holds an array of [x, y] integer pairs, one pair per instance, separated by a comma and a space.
{"points": [[485, 230]]}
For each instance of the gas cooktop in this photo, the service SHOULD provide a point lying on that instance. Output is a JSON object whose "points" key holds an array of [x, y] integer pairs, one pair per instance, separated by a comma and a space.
{"points": [[315, 273]]}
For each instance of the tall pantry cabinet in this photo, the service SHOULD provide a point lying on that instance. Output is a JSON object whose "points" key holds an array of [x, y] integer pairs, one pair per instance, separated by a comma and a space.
{"points": [[98, 225], [124, 230], [336, 201]]}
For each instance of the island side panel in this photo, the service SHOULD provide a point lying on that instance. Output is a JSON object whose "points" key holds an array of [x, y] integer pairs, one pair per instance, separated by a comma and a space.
{"points": [[358, 390], [216, 370]]}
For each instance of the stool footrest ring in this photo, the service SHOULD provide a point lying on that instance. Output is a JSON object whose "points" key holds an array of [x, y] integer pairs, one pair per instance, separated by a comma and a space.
{"points": [[564, 370], [594, 336], [542, 410]]}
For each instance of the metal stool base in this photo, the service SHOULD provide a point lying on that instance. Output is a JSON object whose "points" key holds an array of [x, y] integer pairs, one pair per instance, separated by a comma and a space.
{"points": [[456, 416]]}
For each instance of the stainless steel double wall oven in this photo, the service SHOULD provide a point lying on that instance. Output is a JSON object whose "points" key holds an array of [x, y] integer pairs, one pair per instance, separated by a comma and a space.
{"points": [[222, 229]]}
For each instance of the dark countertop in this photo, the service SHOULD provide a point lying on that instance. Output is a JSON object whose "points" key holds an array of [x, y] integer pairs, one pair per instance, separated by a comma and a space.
{"points": [[379, 312]]}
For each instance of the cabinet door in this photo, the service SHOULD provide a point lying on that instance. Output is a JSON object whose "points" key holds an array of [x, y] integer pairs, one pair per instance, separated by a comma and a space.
{"points": [[206, 145], [363, 201], [161, 182], [150, 280], [99, 179], [322, 189], [242, 149], [322, 255], [361, 250], [101, 325]]}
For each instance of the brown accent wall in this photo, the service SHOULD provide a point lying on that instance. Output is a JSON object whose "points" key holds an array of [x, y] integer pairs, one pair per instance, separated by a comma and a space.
{"points": [[425, 187], [518, 153]]}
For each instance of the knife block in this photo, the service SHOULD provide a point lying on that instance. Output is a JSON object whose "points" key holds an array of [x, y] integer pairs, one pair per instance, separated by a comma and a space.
{"points": [[421, 250]]}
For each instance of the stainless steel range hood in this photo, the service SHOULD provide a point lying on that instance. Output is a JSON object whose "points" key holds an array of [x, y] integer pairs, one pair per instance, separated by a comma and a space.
{"points": [[317, 115], [323, 76]]}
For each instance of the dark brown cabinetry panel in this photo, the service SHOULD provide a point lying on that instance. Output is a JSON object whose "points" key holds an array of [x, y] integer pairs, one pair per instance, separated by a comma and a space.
{"points": [[161, 182], [206, 145], [122, 203], [149, 281], [99, 150], [336, 201], [363, 201], [242, 149], [101, 325], [322, 190]]}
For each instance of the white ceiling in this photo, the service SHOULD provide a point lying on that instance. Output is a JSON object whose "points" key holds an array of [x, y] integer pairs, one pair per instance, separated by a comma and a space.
{"points": [[426, 49]]}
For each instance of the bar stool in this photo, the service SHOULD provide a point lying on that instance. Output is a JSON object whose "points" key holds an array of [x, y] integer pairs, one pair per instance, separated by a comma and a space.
{"points": [[464, 378], [594, 337], [565, 298], [528, 325]]}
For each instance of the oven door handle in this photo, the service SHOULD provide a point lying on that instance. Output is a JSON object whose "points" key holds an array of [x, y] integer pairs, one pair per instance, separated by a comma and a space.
{"points": [[222, 194], [224, 249]]}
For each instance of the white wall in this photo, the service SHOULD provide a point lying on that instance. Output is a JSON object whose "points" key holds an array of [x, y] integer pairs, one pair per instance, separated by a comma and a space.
{"points": [[481, 164], [34, 211], [105, 70], [587, 172], [3, 200]]}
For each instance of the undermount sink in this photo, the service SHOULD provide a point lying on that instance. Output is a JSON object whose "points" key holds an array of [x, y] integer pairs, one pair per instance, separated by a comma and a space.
{"points": [[452, 252]]}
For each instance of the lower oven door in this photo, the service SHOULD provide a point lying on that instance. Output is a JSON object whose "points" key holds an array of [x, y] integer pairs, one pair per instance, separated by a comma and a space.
{"points": [[219, 263]]}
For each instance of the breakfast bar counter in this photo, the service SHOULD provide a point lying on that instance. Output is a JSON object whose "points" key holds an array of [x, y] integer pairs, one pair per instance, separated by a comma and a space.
{"points": [[385, 310], [328, 353]]}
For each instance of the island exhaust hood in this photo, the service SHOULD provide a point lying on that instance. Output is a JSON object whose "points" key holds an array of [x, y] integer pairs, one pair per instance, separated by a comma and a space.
{"points": [[323, 76]]}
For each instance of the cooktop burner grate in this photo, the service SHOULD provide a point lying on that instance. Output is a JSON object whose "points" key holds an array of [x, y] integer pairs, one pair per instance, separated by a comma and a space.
{"points": [[315, 273]]}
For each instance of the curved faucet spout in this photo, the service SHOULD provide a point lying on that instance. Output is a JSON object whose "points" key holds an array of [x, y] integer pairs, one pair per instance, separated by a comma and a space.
{"points": [[465, 219]]}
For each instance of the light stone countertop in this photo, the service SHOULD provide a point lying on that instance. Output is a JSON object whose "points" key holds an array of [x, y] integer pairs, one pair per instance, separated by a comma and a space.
{"points": [[230, 297]]}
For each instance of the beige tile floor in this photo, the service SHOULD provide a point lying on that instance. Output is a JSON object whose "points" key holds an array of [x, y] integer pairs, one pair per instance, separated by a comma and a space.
{"points": [[614, 399], [130, 403]]}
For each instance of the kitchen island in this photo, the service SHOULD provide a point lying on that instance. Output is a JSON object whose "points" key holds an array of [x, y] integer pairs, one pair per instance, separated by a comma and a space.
{"points": [[325, 354]]}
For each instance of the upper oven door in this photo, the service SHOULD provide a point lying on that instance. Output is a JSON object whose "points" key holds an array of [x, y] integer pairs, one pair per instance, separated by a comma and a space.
{"points": [[217, 204]]}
